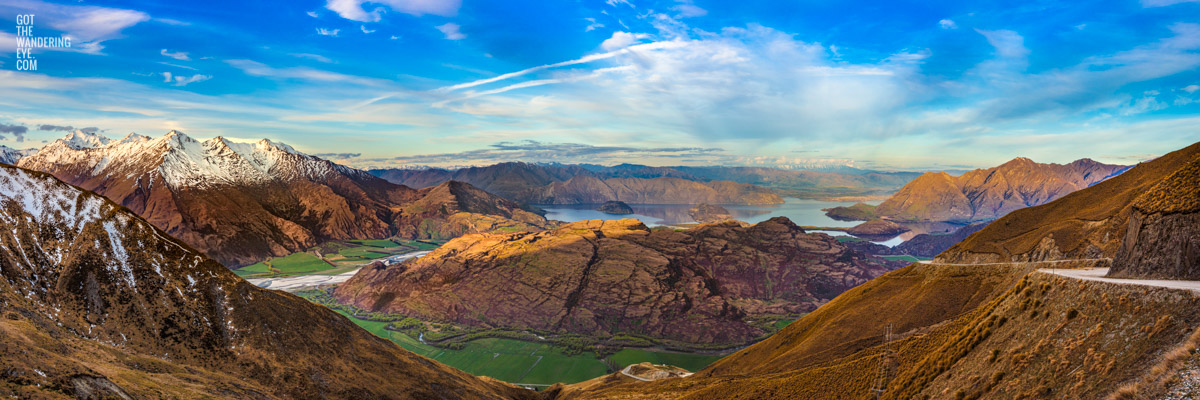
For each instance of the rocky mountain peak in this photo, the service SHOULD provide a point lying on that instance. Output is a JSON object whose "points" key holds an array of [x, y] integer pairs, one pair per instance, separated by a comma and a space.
{"points": [[78, 139]]}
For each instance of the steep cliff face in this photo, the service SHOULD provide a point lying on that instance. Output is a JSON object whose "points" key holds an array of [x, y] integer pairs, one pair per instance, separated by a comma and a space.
{"points": [[98, 303], [1163, 235], [607, 277], [986, 194], [241, 203]]}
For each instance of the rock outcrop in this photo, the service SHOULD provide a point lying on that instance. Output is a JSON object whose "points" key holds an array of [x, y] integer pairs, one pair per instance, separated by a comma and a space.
{"points": [[932, 244], [877, 228], [700, 285], [1163, 236], [615, 207], [709, 213]]}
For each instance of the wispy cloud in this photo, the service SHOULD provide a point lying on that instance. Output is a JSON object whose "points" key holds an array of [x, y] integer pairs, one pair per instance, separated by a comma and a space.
{"points": [[451, 30], [179, 55], [353, 9], [328, 32], [948, 24], [181, 80]]}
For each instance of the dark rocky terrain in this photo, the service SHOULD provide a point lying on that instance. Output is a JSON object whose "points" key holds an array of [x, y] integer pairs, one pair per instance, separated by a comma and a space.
{"points": [[932, 244], [98, 303], [700, 285], [615, 207]]}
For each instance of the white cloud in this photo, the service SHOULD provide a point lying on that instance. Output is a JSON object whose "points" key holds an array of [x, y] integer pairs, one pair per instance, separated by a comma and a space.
{"points": [[394, 37], [621, 39], [353, 9], [614, 3], [328, 32], [592, 25], [1191, 88], [312, 14], [948, 24], [688, 10], [179, 80], [1008, 44], [87, 26], [365, 30], [179, 55], [451, 30], [255, 68], [314, 57]]}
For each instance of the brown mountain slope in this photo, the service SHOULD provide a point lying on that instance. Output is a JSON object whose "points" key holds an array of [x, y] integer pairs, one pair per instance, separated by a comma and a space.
{"points": [[978, 332], [98, 303], [607, 277], [1163, 235], [986, 194], [1085, 224], [241, 203]]}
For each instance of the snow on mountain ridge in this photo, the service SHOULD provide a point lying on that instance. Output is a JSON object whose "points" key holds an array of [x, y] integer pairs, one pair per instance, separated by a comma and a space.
{"points": [[183, 161], [11, 156]]}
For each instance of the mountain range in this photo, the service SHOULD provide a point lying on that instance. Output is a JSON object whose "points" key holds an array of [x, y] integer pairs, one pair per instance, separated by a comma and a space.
{"points": [[545, 184], [241, 203], [983, 194], [602, 278], [96, 302]]}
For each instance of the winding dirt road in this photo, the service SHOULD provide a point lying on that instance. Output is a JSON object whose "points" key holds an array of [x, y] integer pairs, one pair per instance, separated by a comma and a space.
{"points": [[1097, 274]]}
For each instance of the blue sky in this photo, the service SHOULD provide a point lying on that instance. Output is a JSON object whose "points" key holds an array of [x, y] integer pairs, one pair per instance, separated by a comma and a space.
{"points": [[887, 84]]}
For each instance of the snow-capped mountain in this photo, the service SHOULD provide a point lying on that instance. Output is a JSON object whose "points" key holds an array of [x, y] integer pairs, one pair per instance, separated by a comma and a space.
{"points": [[181, 161], [244, 202], [10, 155], [97, 303]]}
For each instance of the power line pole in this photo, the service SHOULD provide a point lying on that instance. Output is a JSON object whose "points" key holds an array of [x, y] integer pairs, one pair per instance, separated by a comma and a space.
{"points": [[885, 364]]}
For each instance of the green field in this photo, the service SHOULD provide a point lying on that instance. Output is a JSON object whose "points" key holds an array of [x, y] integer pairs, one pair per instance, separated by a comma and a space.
{"points": [[533, 363], [363, 253], [346, 255], [504, 359], [844, 239], [293, 264], [688, 361], [783, 323], [385, 244]]}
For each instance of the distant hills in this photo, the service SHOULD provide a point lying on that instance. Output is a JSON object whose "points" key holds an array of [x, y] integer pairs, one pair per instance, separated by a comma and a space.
{"points": [[702, 285], [576, 184], [95, 302], [242, 203], [983, 194]]}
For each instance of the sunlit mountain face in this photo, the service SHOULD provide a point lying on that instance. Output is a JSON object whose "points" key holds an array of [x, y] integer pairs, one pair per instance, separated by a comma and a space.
{"points": [[599, 199]]}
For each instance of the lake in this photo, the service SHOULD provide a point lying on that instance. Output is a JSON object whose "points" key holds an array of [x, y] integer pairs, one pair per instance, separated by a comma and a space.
{"points": [[801, 211]]}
